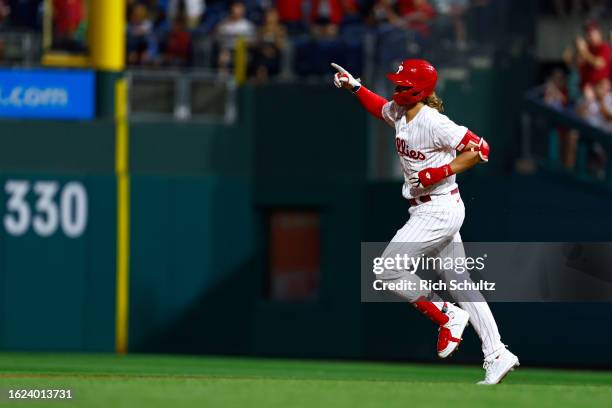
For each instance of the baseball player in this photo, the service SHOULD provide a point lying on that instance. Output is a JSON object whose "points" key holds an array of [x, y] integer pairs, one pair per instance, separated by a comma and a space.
{"points": [[427, 143]]}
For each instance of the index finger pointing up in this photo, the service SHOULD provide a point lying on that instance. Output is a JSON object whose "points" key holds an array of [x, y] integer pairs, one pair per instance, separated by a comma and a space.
{"points": [[339, 68]]}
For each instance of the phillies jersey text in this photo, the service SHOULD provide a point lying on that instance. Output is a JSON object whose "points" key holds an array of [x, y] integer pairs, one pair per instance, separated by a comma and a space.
{"points": [[430, 139]]}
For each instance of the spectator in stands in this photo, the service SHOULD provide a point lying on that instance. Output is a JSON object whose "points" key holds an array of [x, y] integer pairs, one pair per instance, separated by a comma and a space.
{"points": [[129, 5], [325, 17], [452, 13], [157, 12], [384, 13], [351, 13], [290, 14], [555, 90], [69, 25], [271, 40], [5, 12], [140, 40], [593, 56], [177, 44], [574, 90], [392, 37], [418, 15], [596, 107], [556, 96], [192, 9], [230, 30]]}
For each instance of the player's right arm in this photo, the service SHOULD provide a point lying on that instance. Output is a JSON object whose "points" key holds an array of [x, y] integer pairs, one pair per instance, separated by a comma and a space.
{"points": [[372, 102]]}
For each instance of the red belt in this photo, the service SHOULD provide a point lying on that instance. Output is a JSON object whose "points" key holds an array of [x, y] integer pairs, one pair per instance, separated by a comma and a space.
{"points": [[426, 198]]}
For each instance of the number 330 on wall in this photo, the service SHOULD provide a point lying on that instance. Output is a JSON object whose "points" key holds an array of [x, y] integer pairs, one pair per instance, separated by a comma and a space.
{"points": [[54, 207]]}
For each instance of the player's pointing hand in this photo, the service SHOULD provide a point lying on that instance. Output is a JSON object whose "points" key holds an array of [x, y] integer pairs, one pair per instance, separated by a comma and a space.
{"points": [[339, 68], [343, 79]]}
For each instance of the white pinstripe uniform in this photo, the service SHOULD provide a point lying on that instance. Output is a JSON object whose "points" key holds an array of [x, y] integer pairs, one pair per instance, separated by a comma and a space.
{"points": [[429, 140]]}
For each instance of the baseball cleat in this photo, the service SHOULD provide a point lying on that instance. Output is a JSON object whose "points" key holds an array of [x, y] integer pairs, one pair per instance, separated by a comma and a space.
{"points": [[449, 335], [497, 367]]}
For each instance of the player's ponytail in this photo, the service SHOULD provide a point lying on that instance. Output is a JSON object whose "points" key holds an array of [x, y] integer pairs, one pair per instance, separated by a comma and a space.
{"points": [[434, 101]]}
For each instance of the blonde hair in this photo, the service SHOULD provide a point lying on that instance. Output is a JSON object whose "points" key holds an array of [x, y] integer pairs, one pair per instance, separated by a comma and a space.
{"points": [[434, 101]]}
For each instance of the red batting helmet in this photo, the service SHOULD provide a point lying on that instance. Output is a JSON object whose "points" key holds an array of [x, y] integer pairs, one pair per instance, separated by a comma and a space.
{"points": [[419, 75]]}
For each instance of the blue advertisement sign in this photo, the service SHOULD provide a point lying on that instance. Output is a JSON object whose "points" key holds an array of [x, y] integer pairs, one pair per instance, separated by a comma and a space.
{"points": [[47, 94]]}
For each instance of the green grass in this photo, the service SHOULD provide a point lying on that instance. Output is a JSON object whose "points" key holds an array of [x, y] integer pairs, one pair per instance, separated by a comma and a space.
{"points": [[105, 380]]}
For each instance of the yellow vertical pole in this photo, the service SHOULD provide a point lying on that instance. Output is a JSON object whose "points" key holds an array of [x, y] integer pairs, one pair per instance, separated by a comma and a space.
{"points": [[240, 61], [107, 34], [106, 41], [123, 217], [47, 38]]}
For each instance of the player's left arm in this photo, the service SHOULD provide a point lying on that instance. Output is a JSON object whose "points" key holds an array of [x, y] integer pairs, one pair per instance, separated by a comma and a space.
{"points": [[464, 162], [473, 150]]}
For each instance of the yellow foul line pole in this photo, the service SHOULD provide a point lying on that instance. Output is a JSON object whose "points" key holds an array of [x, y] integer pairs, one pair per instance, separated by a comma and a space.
{"points": [[123, 217]]}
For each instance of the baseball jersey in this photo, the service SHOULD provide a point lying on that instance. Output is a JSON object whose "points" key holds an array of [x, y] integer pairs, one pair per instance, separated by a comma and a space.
{"points": [[430, 139]]}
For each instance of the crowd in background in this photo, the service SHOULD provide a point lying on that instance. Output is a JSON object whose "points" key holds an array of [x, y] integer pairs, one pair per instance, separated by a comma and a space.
{"points": [[69, 19], [584, 83], [582, 87], [163, 32], [171, 32]]}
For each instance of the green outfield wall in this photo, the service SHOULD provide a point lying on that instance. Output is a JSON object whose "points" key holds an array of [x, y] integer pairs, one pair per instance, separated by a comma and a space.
{"points": [[200, 195]]}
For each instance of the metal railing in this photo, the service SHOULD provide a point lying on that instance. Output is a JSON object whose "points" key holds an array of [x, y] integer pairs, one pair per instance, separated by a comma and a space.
{"points": [[20, 48], [197, 96], [540, 119]]}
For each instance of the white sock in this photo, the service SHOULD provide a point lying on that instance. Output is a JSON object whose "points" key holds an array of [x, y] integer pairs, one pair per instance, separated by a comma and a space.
{"points": [[483, 322]]}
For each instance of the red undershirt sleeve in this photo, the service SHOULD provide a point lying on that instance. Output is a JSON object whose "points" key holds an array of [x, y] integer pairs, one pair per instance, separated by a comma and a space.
{"points": [[372, 102]]}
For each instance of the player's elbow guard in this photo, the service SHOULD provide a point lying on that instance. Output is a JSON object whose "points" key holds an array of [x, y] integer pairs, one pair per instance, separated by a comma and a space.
{"points": [[473, 143], [483, 150]]}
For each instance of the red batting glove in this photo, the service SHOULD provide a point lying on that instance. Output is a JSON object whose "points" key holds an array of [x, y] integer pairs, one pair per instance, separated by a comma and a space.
{"points": [[434, 175]]}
